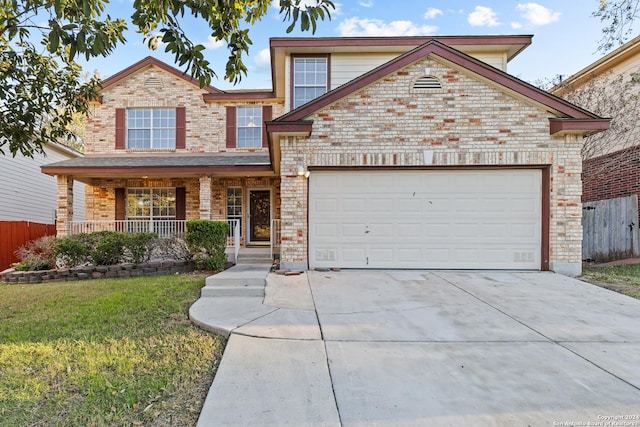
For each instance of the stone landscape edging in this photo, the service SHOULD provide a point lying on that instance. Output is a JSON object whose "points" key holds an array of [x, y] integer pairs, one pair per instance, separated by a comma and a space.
{"points": [[151, 268]]}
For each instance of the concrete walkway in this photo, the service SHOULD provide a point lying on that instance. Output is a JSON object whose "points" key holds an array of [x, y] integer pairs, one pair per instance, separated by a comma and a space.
{"points": [[414, 348]]}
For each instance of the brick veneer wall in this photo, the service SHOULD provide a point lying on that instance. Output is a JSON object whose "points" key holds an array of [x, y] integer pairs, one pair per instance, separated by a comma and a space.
{"points": [[465, 123], [610, 176], [205, 122], [205, 129]]}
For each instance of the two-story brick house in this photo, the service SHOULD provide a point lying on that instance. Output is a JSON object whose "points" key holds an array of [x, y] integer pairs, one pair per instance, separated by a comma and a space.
{"points": [[409, 152]]}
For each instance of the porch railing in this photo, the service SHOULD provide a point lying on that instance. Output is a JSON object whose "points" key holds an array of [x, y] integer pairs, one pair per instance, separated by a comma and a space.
{"points": [[276, 235], [163, 228], [233, 239]]}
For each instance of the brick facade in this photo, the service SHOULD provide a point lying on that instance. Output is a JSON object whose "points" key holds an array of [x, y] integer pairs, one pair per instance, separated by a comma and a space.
{"points": [[465, 123], [611, 176], [205, 133]]}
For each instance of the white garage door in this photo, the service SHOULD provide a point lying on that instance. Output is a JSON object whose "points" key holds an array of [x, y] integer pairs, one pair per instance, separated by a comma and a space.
{"points": [[473, 219]]}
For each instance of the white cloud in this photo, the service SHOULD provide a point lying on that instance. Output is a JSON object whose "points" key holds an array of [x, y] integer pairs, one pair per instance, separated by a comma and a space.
{"points": [[357, 27], [516, 25], [263, 60], [212, 43], [432, 12], [483, 17], [536, 14], [366, 3]]}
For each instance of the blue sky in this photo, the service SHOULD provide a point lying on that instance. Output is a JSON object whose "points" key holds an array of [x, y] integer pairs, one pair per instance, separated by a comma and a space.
{"points": [[565, 34]]}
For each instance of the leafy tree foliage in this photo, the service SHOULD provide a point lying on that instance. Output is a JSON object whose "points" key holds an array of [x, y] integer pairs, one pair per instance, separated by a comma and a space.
{"points": [[41, 91]]}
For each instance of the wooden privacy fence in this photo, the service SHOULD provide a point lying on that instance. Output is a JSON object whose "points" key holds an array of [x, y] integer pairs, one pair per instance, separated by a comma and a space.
{"points": [[610, 229], [14, 234]]}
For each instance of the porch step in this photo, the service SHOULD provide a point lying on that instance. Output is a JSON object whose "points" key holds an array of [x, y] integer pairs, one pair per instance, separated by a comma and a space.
{"points": [[246, 280], [254, 258]]}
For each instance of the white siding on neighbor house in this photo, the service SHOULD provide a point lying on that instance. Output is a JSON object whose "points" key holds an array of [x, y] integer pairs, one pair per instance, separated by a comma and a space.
{"points": [[26, 194]]}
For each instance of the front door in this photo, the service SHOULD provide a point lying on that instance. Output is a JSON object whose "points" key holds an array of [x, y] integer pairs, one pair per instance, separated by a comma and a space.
{"points": [[259, 216]]}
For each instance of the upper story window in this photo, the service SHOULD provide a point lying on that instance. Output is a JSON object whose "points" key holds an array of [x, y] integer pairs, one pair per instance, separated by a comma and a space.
{"points": [[249, 124], [150, 128], [245, 126], [153, 128], [310, 79]]}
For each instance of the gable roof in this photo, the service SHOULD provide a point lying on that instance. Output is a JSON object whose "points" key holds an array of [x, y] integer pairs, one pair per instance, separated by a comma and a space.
{"points": [[558, 106], [148, 62], [603, 65]]}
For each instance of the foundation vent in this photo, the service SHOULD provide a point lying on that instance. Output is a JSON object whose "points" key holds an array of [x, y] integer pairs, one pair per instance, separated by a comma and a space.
{"points": [[427, 83]]}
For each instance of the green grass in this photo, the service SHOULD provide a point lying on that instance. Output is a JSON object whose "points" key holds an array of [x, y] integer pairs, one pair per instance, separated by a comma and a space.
{"points": [[104, 352], [622, 278]]}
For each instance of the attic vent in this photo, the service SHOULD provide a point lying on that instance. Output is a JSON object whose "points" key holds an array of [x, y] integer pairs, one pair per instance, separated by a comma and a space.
{"points": [[427, 82], [152, 82]]}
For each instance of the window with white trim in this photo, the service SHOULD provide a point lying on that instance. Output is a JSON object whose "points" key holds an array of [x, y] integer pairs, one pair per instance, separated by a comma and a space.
{"points": [[151, 204], [151, 128], [234, 204], [309, 79], [249, 124]]}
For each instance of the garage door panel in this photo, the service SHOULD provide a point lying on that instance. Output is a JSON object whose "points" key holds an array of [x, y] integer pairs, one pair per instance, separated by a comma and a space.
{"points": [[381, 205], [356, 230], [352, 205], [325, 205], [426, 219], [326, 230], [409, 206]]}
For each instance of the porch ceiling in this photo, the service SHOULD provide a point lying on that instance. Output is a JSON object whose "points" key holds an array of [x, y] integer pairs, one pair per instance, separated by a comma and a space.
{"points": [[164, 165]]}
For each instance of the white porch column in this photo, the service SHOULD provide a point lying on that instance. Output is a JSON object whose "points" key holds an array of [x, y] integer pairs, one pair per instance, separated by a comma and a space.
{"points": [[205, 197], [64, 210]]}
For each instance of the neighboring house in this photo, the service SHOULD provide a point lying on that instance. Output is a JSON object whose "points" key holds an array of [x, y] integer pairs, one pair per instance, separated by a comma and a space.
{"points": [[28, 195], [610, 84], [407, 152], [610, 172]]}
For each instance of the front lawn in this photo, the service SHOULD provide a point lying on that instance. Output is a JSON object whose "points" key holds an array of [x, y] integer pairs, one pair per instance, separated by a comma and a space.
{"points": [[620, 278], [104, 353]]}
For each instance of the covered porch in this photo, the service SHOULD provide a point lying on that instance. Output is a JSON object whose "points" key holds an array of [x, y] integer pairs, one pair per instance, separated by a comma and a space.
{"points": [[239, 189]]}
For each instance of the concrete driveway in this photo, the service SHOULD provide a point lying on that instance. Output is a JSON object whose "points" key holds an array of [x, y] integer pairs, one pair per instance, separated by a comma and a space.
{"points": [[425, 348]]}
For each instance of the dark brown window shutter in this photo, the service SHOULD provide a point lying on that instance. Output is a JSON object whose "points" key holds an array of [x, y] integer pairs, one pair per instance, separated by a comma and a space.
{"points": [[231, 127], [121, 117], [267, 112], [181, 203], [181, 127], [121, 204]]}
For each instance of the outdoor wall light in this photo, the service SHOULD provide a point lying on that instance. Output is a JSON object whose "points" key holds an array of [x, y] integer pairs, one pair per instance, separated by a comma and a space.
{"points": [[303, 172]]}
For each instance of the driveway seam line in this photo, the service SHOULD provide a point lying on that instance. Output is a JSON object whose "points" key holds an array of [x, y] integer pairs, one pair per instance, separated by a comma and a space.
{"points": [[495, 308], [598, 366], [326, 353], [558, 343], [253, 320]]}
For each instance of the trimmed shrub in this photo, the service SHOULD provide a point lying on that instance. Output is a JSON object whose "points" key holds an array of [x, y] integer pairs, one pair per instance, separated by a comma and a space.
{"points": [[109, 248], [207, 241], [38, 254], [74, 250], [139, 246]]}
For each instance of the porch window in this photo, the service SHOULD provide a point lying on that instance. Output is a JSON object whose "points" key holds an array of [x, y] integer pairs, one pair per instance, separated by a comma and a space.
{"points": [[234, 204], [146, 204], [249, 127], [153, 128], [309, 79]]}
